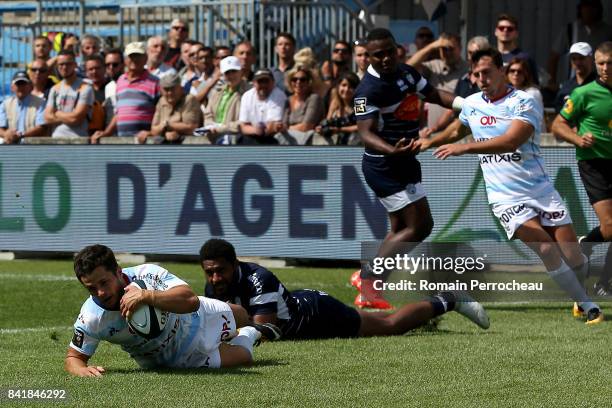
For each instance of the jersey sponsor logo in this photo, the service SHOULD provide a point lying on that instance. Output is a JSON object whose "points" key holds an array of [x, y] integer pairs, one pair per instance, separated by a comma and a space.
{"points": [[402, 85], [410, 79], [488, 121], [511, 212], [568, 108], [500, 158], [408, 109], [522, 106], [77, 338], [554, 215], [225, 329], [360, 105]]}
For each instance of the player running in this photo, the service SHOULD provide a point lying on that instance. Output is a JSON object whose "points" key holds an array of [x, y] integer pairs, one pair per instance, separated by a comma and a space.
{"points": [[505, 123], [387, 112], [310, 314], [199, 332], [589, 107]]}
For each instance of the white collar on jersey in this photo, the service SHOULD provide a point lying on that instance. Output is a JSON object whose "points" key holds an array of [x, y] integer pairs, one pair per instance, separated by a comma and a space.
{"points": [[509, 90], [372, 71]]}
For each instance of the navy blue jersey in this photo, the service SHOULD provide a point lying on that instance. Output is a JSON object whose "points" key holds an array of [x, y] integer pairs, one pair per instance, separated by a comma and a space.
{"points": [[301, 314], [394, 100]]}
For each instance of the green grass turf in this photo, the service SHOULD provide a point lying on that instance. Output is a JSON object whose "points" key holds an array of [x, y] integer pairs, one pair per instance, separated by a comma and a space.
{"points": [[532, 356]]}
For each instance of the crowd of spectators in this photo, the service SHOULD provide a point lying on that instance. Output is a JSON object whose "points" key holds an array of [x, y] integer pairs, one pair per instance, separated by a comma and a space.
{"points": [[165, 89]]}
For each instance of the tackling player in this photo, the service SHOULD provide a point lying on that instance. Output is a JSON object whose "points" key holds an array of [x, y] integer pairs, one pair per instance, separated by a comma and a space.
{"points": [[194, 335], [505, 123], [387, 112], [589, 107], [310, 314]]}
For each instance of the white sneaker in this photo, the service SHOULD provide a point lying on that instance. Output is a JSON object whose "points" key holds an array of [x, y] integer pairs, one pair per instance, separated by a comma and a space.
{"points": [[470, 308]]}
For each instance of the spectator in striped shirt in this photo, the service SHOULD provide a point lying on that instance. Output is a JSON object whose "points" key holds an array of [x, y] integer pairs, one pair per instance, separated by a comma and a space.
{"points": [[137, 94]]}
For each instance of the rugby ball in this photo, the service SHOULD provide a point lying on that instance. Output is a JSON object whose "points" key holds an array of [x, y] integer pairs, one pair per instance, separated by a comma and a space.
{"points": [[147, 321]]}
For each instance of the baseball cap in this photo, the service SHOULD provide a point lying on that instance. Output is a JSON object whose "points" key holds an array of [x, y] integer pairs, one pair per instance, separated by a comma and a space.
{"points": [[230, 63], [170, 81], [20, 76], [135, 48], [581, 48], [264, 72]]}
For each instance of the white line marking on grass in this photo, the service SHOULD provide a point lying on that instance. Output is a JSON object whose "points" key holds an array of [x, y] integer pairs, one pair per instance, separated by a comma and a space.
{"points": [[41, 278], [33, 329]]}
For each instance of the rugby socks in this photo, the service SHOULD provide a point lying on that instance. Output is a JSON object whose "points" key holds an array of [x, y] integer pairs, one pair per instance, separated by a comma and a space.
{"points": [[582, 270], [246, 338], [566, 279], [594, 235], [442, 302]]}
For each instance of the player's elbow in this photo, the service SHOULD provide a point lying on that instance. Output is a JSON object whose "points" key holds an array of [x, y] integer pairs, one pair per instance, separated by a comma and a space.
{"points": [[193, 303]]}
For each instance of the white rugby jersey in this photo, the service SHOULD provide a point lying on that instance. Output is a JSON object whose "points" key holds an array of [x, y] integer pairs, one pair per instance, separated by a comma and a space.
{"points": [[514, 176], [170, 349]]}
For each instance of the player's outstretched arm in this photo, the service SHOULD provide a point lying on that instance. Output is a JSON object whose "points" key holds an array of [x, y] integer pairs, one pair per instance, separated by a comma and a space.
{"points": [[443, 98], [265, 318], [76, 364], [515, 136], [452, 133], [561, 128], [179, 299]]}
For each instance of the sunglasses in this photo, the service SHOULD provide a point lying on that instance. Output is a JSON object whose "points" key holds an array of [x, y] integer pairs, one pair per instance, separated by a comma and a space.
{"points": [[505, 28], [299, 79], [179, 28], [341, 50], [112, 64], [41, 70]]}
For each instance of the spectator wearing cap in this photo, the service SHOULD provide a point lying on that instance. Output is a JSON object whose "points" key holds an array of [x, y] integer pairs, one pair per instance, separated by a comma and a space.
{"points": [[245, 52], [177, 34], [362, 60], [137, 95], [21, 115], [507, 35], [285, 49], [221, 116], [177, 115], [581, 58], [39, 72], [261, 110], [156, 50], [70, 101], [589, 27]]}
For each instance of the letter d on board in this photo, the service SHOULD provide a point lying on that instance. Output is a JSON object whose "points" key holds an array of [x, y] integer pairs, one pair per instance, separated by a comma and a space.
{"points": [[114, 223]]}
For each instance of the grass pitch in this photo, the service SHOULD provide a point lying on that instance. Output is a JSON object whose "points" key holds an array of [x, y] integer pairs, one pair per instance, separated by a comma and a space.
{"points": [[532, 356]]}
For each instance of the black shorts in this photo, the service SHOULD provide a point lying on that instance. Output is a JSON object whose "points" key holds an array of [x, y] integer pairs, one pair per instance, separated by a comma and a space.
{"points": [[596, 175], [321, 316], [390, 175]]}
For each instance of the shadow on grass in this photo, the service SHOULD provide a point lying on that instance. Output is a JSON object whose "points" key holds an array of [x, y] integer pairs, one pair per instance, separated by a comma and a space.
{"points": [[245, 370]]}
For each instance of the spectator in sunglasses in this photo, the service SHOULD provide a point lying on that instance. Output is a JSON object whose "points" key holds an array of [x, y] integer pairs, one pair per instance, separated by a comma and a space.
{"points": [[340, 62], [178, 32], [507, 34], [39, 75]]}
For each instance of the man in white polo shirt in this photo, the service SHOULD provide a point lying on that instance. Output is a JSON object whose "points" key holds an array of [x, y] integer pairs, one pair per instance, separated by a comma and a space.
{"points": [[261, 110]]}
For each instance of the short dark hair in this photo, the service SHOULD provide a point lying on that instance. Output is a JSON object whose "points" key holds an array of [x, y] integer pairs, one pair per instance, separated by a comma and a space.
{"points": [[286, 35], [42, 37], [208, 49], [508, 17], [379, 34], [67, 53], [95, 57], [346, 44], [351, 78], [488, 52], [90, 257], [114, 51], [216, 248], [604, 48]]}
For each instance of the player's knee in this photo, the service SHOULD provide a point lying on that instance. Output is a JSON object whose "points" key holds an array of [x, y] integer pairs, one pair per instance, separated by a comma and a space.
{"points": [[546, 249], [240, 315]]}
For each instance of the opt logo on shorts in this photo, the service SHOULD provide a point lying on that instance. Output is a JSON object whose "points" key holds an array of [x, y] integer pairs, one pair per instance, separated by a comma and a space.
{"points": [[488, 120]]}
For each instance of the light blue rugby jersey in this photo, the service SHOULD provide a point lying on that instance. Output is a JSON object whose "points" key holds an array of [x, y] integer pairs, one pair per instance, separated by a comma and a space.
{"points": [[509, 177], [171, 349]]}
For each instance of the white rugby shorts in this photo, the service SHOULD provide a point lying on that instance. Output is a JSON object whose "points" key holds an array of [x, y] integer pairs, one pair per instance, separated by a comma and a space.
{"points": [[397, 201], [217, 324], [550, 211]]}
